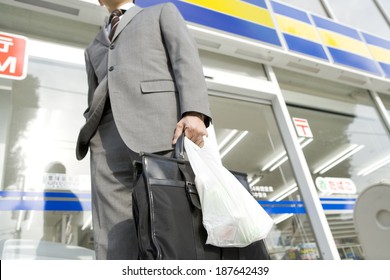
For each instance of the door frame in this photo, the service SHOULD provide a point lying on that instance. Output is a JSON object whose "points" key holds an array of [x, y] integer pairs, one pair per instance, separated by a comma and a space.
{"points": [[269, 92]]}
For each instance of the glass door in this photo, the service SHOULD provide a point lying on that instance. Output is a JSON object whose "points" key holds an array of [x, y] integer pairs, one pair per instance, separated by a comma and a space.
{"points": [[45, 192], [251, 145], [349, 155]]}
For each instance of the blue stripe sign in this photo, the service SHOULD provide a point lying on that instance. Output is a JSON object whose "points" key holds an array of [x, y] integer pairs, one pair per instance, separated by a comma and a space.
{"points": [[249, 18], [299, 33], [346, 45], [68, 201], [283, 26]]}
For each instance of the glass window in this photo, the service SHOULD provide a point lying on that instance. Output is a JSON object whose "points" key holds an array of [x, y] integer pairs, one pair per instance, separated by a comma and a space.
{"points": [[386, 101], [385, 6], [45, 193], [351, 12], [250, 144], [314, 7], [350, 151]]}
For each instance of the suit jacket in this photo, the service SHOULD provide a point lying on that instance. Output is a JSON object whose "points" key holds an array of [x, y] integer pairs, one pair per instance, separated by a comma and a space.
{"points": [[152, 74]]}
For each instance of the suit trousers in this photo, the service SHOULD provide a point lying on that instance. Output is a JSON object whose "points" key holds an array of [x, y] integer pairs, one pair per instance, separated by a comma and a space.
{"points": [[112, 185]]}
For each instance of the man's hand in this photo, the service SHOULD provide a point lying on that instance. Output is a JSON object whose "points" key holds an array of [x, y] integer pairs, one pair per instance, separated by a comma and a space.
{"points": [[193, 127]]}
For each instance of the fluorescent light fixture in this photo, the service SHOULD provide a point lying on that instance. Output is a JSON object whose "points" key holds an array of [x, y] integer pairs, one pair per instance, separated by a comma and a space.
{"points": [[305, 141], [288, 191], [273, 161], [376, 165], [339, 157], [282, 157], [87, 223], [293, 190], [228, 138], [234, 138], [94, 2], [51, 6], [282, 218], [255, 181], [5, 87], [279, 163]]}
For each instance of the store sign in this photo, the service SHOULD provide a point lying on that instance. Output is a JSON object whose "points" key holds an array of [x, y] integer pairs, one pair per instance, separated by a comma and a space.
{"points": [[293, 29], [330, 185], [13, 56], [302, 127], [246, 18]]}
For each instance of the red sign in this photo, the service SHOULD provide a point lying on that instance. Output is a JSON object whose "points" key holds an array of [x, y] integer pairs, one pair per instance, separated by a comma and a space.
{"points": [[302, 127], [13, 56]]}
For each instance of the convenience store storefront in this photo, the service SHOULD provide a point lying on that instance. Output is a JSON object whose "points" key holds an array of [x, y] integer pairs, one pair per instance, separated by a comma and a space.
{"points": [[300, 104]]}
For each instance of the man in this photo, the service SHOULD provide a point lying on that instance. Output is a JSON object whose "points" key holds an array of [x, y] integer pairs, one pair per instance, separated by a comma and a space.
{"points": [[146, 88]]}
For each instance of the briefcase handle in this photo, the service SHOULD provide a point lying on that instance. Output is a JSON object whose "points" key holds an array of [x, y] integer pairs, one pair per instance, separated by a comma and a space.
{"points": [[179, 148]]}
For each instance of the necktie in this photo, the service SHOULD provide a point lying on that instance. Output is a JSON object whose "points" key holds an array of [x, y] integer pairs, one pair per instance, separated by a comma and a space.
{"points": [[114, 20]]}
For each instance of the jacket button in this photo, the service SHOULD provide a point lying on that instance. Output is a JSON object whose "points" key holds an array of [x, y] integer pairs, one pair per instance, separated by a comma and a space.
{"points": [[111, 68], [112, 47]]}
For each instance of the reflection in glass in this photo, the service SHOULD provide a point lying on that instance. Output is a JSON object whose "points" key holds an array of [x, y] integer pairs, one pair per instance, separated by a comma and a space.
{"points": [[45, 196], [250, 143], [386, 102], [349, 153]]}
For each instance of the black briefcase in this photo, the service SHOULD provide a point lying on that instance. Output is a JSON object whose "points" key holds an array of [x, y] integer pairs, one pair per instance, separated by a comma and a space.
{"points": [[168, 216]]}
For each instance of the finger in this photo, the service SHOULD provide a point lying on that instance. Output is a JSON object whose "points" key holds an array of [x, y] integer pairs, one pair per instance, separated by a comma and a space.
{"points": [[178, 132]]}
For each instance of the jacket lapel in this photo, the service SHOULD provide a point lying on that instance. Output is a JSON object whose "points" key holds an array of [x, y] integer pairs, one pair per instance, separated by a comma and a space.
{"points": [[102, 37], [127, 17]]}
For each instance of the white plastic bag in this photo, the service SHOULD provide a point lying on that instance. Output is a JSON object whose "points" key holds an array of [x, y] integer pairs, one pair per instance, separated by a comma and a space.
{"points": [[231, 216]]}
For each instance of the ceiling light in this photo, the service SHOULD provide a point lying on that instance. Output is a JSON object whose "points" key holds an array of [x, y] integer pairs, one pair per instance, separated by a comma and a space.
{"points": [[282, 158], [279, 163], [94, 2], [293, 190], [276, 159], [228, 138], [87, 223], [255, 181], [282, 218], [283, 194], [234, 139], [339, 157], [51, 6], [376, 165]]}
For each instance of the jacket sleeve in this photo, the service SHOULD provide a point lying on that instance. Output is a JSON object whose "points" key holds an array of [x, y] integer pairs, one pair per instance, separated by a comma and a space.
{"points": [[184, 57], [92, 81]]}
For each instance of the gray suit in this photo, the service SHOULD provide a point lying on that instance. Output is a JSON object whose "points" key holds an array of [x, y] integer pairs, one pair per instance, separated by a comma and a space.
{"points": [[152, 75]]}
